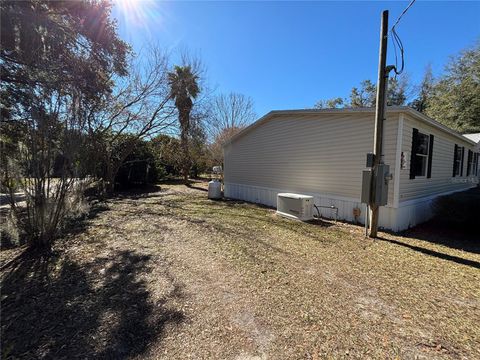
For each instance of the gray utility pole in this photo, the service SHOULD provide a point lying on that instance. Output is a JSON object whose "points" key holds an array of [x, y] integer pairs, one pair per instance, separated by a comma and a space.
{"points": [[381, 105]]}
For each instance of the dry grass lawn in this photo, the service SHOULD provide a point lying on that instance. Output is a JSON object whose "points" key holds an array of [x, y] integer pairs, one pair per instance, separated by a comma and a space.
{"points": [[170, 274]]}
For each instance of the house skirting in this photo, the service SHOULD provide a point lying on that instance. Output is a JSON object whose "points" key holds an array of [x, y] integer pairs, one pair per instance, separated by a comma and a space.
{"points": [[416, 211], [407, 214]]}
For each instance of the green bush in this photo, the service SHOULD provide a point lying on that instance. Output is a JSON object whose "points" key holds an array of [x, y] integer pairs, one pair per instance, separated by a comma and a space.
{"points": [[138, 169], [460, 209]]}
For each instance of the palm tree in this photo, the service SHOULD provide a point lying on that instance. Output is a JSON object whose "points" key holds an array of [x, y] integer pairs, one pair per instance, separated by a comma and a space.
{"points": [[183, 88]]}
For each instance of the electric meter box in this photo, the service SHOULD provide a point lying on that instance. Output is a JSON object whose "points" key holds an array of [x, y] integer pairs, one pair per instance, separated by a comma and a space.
{"points": [[380, 195], [381, 185], [366, 185]]}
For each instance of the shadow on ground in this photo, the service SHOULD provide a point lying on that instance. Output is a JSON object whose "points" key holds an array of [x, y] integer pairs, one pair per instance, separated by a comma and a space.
{"points": [[180, 181], [437, 254], [137, 192], [193, 186], [53, 307], [446, 235], [73, 226]]}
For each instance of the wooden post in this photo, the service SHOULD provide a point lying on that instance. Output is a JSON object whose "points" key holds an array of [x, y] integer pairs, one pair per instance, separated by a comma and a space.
{"points": [[381, 104]]}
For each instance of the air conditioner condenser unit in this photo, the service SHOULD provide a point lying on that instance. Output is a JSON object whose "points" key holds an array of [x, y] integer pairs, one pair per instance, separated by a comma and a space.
{"points": [[295, 206]]}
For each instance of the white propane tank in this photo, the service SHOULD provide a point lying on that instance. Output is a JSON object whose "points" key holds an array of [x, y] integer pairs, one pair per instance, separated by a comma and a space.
{"points": [[214, 189]]}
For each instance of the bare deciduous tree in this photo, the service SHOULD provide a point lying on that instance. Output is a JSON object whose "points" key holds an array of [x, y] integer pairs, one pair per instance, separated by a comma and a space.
{"points": [[230, 111], [229, 114], [44, 168], [139, 107]]}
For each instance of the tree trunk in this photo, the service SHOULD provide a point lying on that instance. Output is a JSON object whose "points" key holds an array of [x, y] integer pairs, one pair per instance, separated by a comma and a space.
{"points": [[186, 160], [184, 121], [109, 179]]}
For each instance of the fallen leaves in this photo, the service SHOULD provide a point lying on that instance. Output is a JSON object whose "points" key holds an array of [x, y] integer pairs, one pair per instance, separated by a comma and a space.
{"points": [[173, 275]]}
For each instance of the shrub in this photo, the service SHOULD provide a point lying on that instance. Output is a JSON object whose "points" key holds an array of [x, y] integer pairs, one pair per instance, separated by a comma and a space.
{"points": [[459, 209], [138, 169]]}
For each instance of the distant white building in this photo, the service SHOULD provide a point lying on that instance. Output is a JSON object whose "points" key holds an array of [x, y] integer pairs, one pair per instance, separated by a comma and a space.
{"points": [[475, 138], [323, 152]]}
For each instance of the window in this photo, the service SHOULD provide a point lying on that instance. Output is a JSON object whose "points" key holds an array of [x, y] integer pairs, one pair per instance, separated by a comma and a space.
{"points": [[458, 161], [421, 156], [472, 163], [470, 168]]}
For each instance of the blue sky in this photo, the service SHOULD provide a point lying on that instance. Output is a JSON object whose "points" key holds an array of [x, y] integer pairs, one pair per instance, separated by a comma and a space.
{"points": [[288, 55]]}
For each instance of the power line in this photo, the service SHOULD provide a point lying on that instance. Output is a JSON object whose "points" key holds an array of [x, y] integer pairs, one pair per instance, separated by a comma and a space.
{"points": [[398, 42], [403, 13]]}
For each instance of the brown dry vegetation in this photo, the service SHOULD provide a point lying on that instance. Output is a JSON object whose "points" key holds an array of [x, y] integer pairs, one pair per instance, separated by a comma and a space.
{"points": [[170, 274]]}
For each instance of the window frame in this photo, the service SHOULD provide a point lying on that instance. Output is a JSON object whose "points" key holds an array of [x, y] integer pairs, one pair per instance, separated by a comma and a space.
{"points": [[458, 161], [470, 156], [426, 156]]}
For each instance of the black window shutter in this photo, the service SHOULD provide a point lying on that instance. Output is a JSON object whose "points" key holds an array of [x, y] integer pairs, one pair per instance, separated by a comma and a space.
{"points": [[461, 162], [413, 163], [469, 161], [455, 159], [430, 154], [476, 162]]}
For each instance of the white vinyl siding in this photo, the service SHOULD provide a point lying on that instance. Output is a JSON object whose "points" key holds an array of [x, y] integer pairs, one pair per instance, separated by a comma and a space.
{"points": [[322, 153], [442, 180]]}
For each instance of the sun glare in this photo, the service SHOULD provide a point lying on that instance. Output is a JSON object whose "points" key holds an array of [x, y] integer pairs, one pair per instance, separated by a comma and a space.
{"points": [[139, 13]]}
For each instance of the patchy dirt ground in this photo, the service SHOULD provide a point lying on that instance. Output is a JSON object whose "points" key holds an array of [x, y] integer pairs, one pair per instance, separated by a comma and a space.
{"points": [[170, 274]]}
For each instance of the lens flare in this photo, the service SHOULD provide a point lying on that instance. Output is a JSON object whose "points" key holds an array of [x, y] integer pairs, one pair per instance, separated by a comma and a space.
{"points": [[143, 14]]}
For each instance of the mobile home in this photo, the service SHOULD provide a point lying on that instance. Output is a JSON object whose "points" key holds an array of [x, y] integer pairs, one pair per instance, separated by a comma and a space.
{"points": [[322, 153]]}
